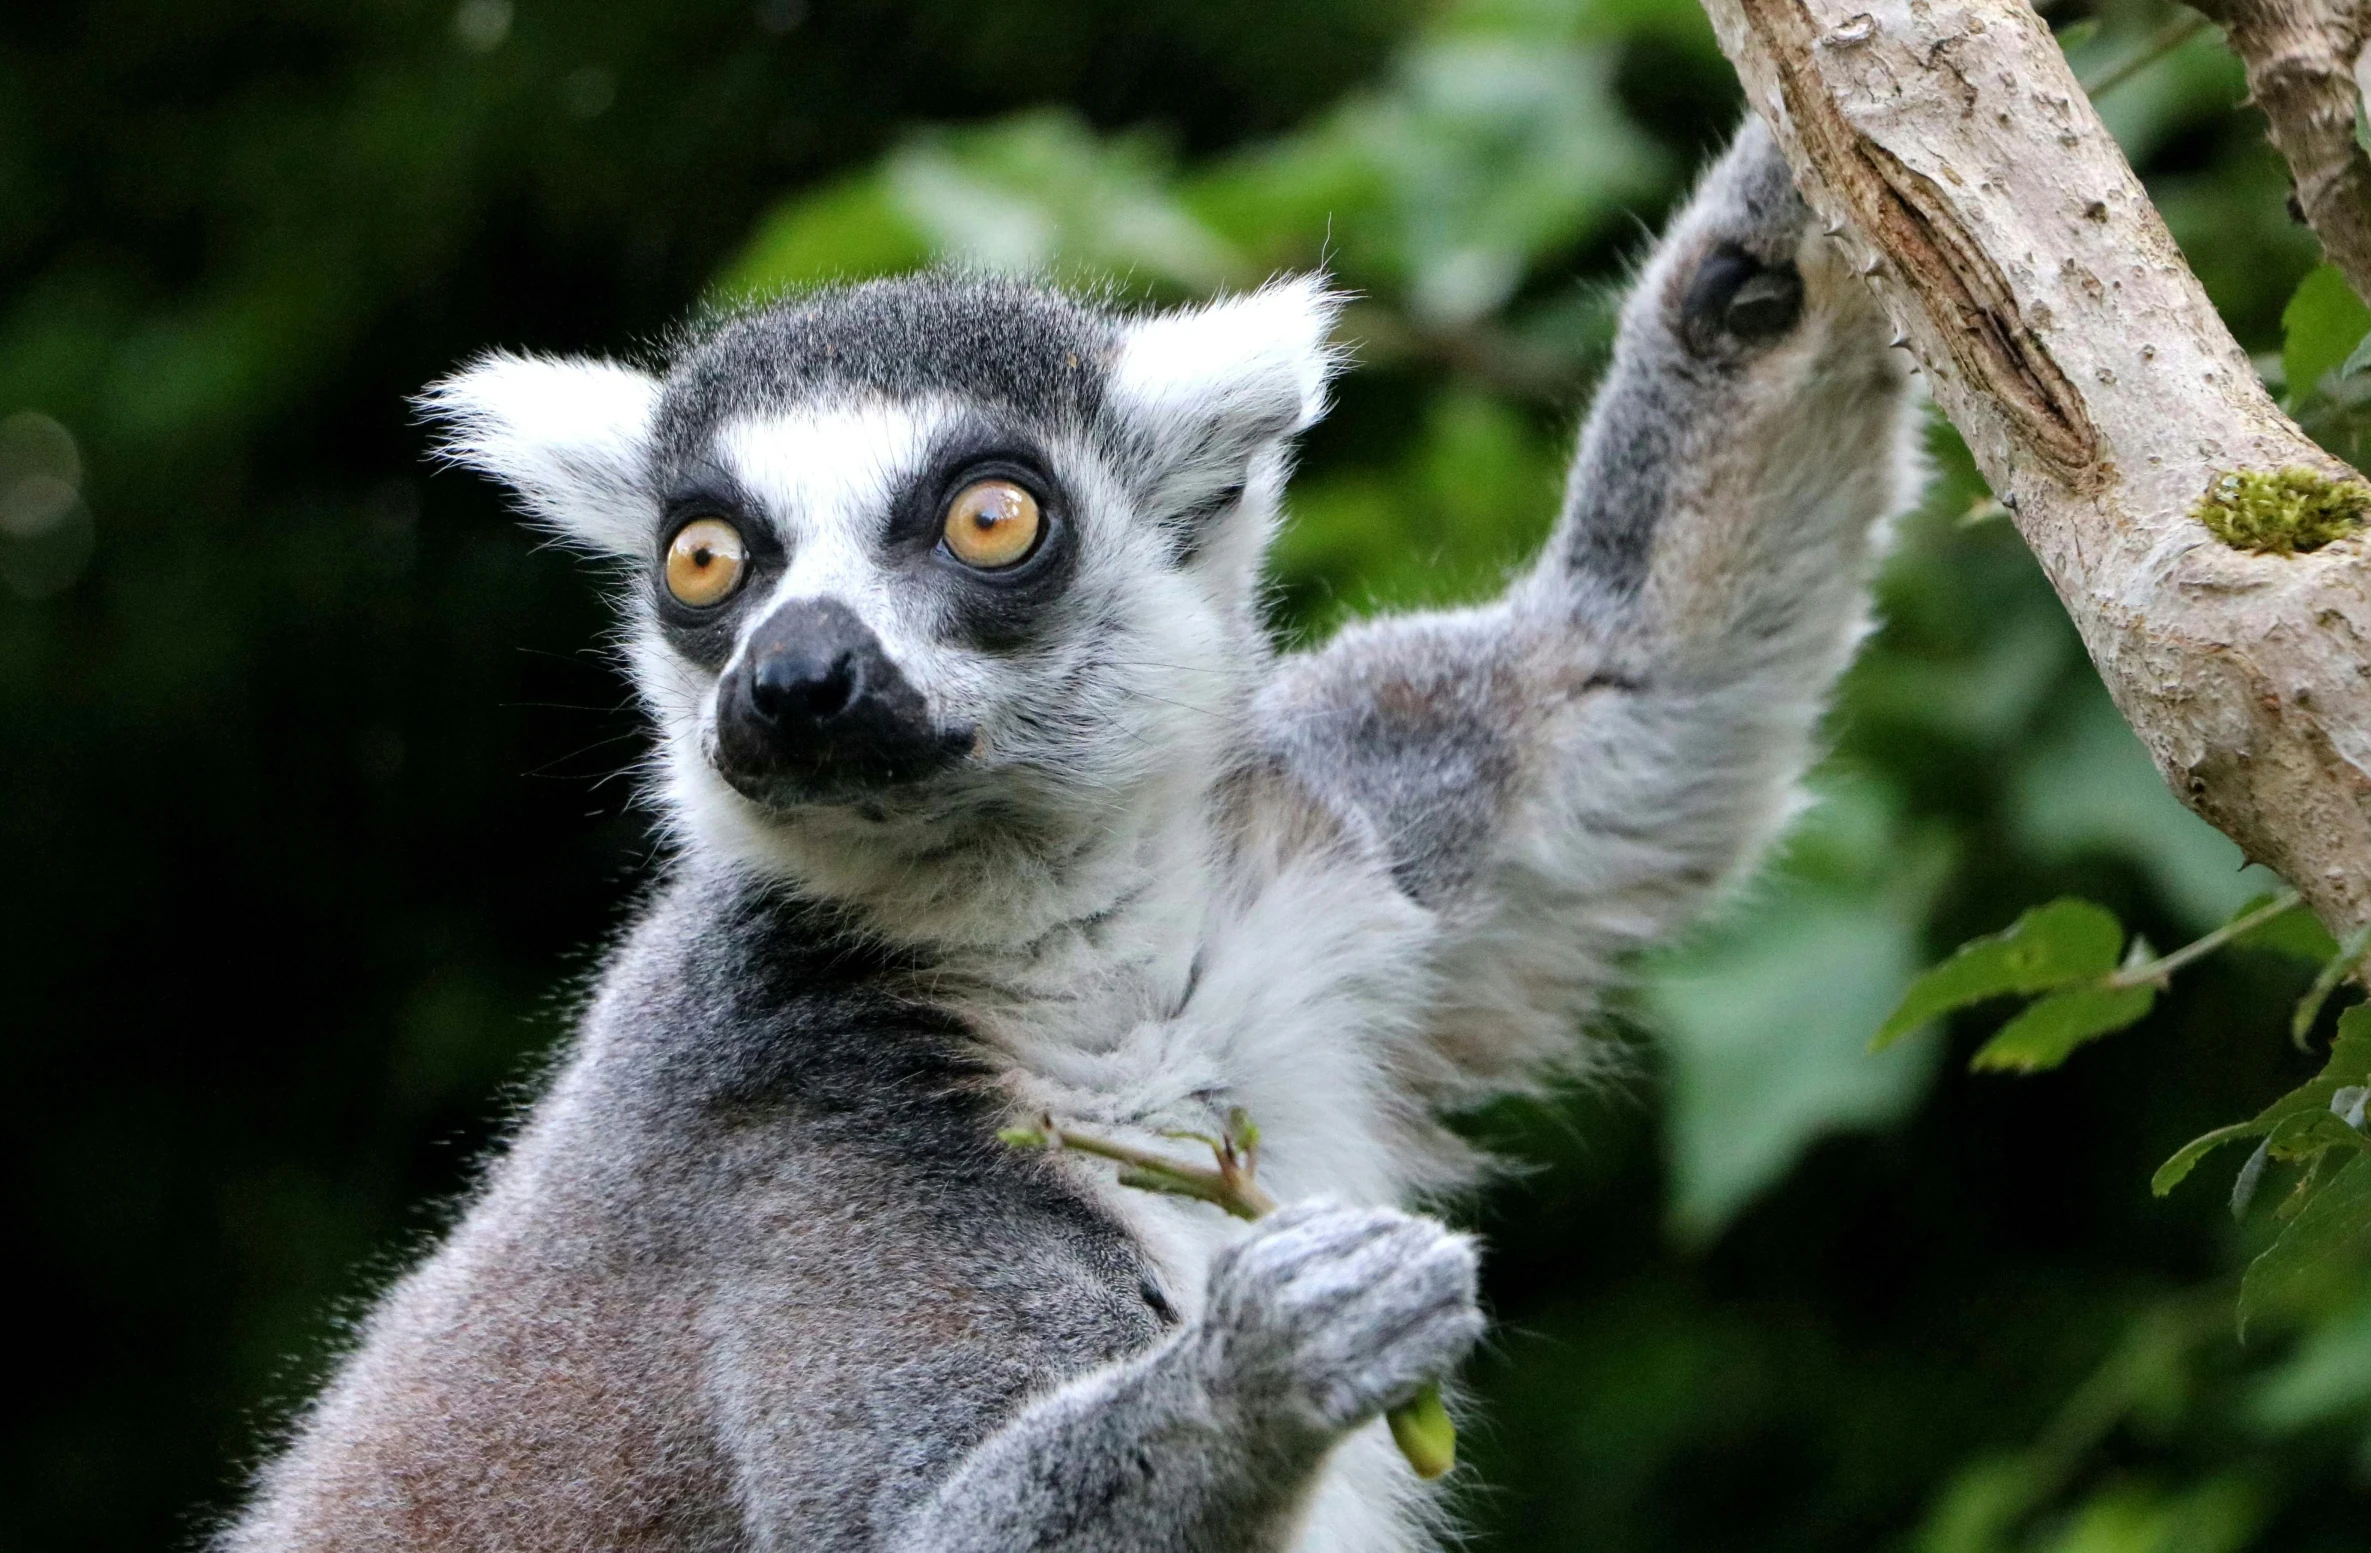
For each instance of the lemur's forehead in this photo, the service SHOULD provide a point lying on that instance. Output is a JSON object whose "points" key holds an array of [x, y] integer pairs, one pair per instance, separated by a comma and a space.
{"points": [[1032, 354], [827, 469]]}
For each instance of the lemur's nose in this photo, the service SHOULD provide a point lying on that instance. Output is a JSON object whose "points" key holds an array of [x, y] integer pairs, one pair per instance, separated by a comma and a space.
{"points": [[814, 708], [814, 682]]}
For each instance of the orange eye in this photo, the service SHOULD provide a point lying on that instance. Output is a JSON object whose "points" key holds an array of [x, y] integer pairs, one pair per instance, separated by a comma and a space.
{"points": [[992, 524], [705, 562]]}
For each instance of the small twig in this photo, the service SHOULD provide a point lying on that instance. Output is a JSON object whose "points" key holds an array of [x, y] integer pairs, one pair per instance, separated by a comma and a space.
{"points": [[1420, 1426], [1230, 1186], [2168, 38], [2154, 972], [2300, 62]]}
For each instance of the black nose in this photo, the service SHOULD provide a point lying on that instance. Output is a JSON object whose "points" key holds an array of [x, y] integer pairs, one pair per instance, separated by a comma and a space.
{"points": [[814, 708], [808, 681]]}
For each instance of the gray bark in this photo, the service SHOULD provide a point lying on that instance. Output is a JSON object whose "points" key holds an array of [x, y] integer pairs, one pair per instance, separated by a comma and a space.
{"points": [[1967, 175]]}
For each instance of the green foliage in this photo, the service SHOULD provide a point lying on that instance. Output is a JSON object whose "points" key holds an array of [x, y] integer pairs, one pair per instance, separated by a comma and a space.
{"points": [[2282, 512], [2047, 947], [2323, 326], [2328, 1240], [1763, 1019], [2326, 369], [2067, 949], [2046, 1034], [1492, 145], [2297, 1125]]}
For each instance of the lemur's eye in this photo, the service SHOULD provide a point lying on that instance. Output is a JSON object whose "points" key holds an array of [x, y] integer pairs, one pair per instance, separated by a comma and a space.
{"points": [[705, 561], [992, 524]]}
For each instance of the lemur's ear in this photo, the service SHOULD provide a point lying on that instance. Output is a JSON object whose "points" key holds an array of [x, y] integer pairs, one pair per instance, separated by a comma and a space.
{"points": [[1209, 389], [568, 434]]}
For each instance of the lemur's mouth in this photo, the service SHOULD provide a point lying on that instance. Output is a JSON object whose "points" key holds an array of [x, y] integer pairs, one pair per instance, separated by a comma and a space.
{"points": [[813, 710]]}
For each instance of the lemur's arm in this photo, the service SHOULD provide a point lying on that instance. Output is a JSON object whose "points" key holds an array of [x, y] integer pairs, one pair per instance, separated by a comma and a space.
{"points": [[1210, 1442], [1568, 771]]}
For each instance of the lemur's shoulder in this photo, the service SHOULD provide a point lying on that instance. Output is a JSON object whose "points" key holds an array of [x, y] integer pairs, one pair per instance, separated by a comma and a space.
{"points": [[763, 1197]]}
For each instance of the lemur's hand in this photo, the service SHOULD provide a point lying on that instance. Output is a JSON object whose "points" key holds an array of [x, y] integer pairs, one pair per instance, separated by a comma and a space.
{"points": [[1746, 263], [1325, 1316]]}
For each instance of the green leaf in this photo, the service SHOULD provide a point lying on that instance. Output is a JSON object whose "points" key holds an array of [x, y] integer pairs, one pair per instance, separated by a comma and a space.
{"points": [[2323, 323], [2294, 932], [2334, 971], [2332, 1232], [2294, 1114], [1422, 1429], [2357, 359], [2046, 1034], [2175, 1170], [2049, 946]]}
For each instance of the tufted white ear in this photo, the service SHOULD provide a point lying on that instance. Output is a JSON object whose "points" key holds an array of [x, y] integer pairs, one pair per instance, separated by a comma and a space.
{"points": [[568, 434], [1210, 388]]}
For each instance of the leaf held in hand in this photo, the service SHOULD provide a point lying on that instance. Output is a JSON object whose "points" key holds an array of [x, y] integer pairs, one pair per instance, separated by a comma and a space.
{"points": [[2048, 947], [1422, 1429]]}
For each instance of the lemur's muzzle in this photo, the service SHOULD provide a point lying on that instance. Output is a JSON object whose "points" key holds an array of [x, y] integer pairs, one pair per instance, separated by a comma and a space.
{"points": [[813, 709]]}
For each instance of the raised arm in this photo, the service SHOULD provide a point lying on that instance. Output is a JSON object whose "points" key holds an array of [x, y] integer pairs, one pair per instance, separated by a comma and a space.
{"points": [[1567, 773]]}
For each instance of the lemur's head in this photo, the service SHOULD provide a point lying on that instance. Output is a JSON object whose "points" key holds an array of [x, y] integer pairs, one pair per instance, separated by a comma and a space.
{"points": [[924, 564]]}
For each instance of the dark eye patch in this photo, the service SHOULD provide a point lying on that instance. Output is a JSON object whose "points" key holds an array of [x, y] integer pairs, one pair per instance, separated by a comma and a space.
{"points": [[995, 609], [706, 636], [1736, 299]]}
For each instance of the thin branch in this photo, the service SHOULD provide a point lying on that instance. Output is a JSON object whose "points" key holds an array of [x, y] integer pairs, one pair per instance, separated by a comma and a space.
{"points": [[2300, 57], [1231, 1186], [1421, 1426], [2169, 37], [2154, 971]]}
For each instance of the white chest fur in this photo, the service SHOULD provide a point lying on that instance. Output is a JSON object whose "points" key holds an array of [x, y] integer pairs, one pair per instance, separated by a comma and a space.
{"points": [[1300, 1001]]}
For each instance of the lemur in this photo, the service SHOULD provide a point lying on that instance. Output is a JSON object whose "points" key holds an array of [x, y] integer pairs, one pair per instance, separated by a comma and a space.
{"points": [[989, 798]]}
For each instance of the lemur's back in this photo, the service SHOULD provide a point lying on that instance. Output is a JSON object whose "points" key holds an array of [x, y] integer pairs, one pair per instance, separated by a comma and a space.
{"points": [[761, 1217]]}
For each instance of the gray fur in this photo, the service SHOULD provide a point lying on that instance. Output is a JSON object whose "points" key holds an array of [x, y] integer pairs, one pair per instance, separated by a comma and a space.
{"points": [[755, 1273], [993, 342]]}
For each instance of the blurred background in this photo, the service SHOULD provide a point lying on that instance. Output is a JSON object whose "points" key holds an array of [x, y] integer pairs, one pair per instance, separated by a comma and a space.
{"points": [[311, 819]]}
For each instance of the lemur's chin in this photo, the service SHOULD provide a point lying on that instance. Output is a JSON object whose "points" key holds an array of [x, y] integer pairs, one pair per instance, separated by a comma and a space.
{"points": [[863, 787], [814, 711]]}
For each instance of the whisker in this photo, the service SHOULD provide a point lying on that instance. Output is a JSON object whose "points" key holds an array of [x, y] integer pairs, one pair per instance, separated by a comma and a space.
{"points": [[547, 768]]}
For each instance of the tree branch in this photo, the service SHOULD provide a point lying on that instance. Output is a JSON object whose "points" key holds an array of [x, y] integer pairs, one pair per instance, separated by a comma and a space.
{"points": [[1968, 177], [2300, 58]]}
